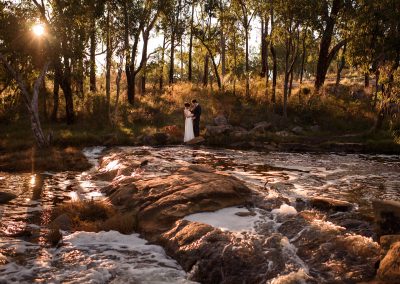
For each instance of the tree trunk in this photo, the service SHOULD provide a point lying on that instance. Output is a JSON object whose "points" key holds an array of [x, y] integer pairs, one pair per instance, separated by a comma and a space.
{"points": [[274, 62], [247, 63], [303, 57], [266, 57], [44, 92], [171, 64], [31, 104], [118, 87], [340, 67], [144, 63], [108, 64], [290, 83], [366, 80], [205, 72], [223, 48], [190, 45], [162, 65], [235, 63], [67, 90], [80, 78], [93, 56], [56, 89], [216, 72], [377, 76], [324, 57], [181, 59], [263, 48]]}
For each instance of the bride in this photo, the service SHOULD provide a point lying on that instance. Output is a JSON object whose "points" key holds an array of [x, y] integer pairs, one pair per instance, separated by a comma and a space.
{"points": [[189, 134]]}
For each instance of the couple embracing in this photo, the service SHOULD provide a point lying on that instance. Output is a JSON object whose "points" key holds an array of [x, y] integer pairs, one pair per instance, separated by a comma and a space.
{"points": [[192, 114]]}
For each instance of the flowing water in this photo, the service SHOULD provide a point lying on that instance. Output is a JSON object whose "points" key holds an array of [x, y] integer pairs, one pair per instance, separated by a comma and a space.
{"points": [[294, 178]]}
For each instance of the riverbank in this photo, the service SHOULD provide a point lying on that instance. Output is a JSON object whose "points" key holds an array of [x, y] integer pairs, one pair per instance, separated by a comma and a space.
{"points": [[67, 155]]}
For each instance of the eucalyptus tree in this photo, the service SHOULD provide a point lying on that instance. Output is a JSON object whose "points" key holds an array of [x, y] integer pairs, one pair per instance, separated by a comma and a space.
{"points": [[23, 57], [245, 13], [139, 19], [376, 44], [208, 32], [326, 16], [288, 33], [63, 19]]}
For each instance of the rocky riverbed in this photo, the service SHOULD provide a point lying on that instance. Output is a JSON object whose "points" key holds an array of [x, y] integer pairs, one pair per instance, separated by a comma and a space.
{"points": [[214, 216]]}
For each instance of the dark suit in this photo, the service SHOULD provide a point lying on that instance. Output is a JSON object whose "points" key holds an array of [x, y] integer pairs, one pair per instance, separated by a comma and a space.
{"points": [[196, 121]]}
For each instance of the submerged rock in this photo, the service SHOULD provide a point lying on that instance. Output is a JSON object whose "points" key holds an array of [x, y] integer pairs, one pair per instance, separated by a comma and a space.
{"points": [[387, 216], [6, 196], [326, 204], [220, 120], [213, 256]]}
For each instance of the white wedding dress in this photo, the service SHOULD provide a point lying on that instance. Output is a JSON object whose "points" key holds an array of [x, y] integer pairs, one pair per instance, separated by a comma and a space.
{"points": [[189, 134]]}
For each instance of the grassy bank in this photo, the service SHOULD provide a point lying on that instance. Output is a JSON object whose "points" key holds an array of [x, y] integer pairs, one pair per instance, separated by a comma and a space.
{"points": [[324, 118]]}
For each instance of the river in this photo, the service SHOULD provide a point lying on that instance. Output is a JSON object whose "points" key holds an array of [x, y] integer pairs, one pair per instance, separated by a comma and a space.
{"points": [[110, 257]]}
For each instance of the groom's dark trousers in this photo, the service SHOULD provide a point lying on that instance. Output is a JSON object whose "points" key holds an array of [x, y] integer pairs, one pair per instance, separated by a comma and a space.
{"points": [[196, 120]]}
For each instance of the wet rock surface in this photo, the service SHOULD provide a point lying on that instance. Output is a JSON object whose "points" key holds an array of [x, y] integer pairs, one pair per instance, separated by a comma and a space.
{"points": [[6, 196], [259, 226], [159, 202], [389, 268], [326, 241]]}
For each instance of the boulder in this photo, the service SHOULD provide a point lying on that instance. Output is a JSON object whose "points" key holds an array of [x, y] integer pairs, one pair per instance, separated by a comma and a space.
{"points": [[158, 138], [159, 202], [389, 268], [239, 134], [387, 241], [261, 128], [283, 133], [214, 256], [212, 130], [297, 130], [315, 128], [220, 120], [326, 204], [387, 216], [196, 140], [6, 196]]}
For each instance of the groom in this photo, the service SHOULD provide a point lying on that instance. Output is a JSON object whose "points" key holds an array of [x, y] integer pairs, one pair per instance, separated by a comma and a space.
{"points": [[196, 110]]}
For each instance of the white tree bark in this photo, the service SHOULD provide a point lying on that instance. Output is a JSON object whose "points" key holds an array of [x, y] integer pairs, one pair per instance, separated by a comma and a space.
{"points": [[31, 103]]}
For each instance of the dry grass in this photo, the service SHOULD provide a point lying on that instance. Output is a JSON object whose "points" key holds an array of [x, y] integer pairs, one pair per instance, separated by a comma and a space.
{"points": [[52, 159], [95, 216]]}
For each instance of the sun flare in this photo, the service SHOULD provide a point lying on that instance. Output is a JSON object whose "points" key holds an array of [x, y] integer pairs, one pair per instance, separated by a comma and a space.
{"points": [[38, 29]]}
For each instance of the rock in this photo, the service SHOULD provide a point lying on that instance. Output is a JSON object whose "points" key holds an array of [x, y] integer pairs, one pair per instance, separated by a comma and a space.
{"points": [[158, 138], [196, 140], [387, 240], [6, 196], [297, 130], [106, 175], [387, 217], [315, 128], [239, 135], [3, 259], [212, 131], [283, 133], [62, 222], [347, 147], [160, 201], [389, 268], [220, 120], [213, 256], [326, 204], [260, 128]]}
